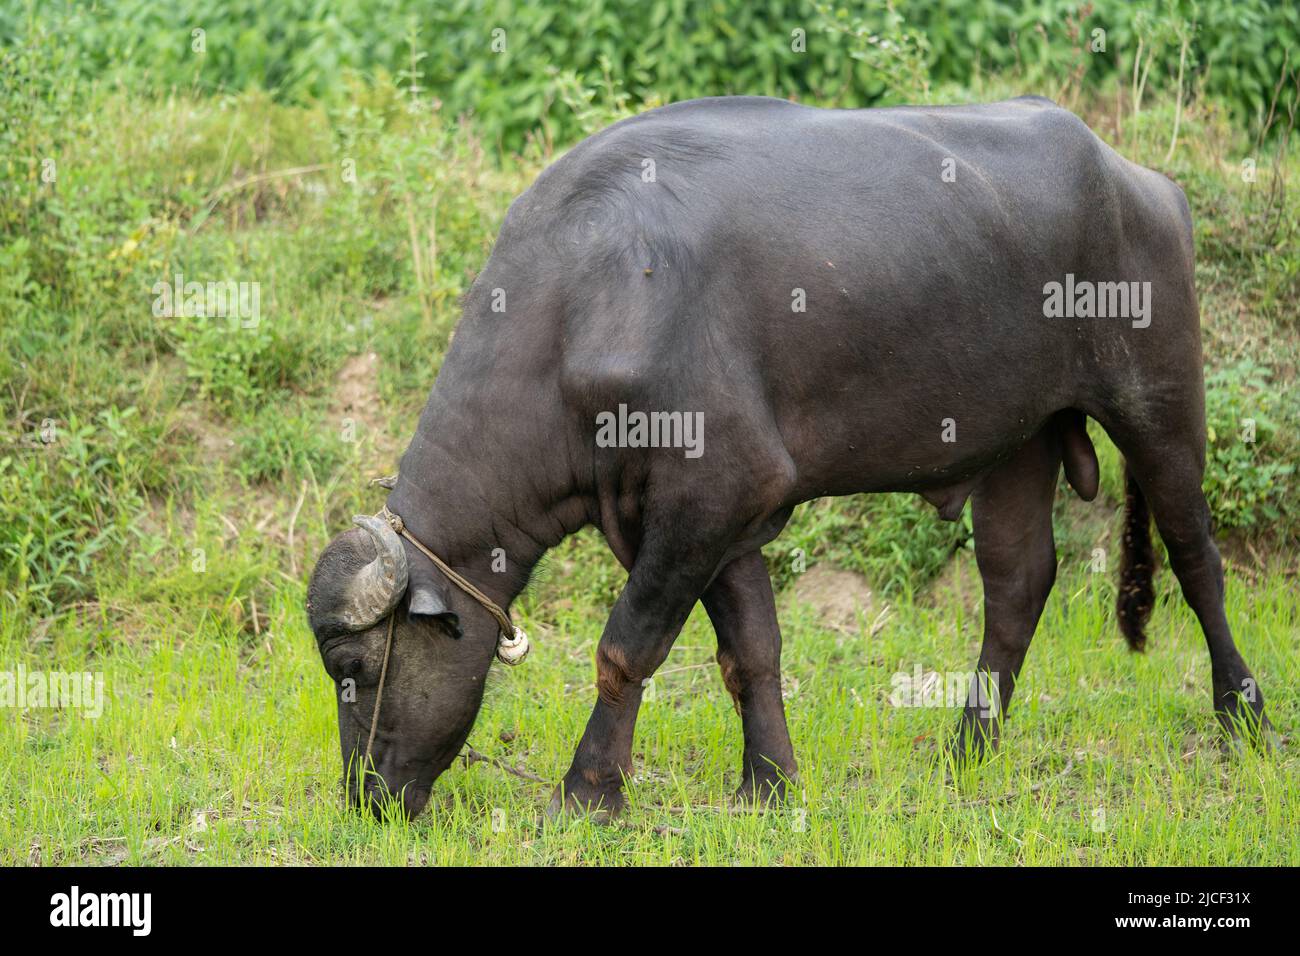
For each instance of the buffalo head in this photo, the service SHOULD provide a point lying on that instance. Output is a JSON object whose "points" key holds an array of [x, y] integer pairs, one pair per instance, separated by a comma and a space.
{"points": [[440, 654]]}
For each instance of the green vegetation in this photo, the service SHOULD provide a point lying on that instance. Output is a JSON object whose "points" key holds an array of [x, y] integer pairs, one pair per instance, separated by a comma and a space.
{"points": [[167, 480], [504, 62]]}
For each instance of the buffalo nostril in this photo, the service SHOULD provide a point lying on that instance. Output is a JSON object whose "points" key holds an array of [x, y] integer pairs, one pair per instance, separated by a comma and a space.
{"points": [[381, 800], [413, 801], [377, 805]]}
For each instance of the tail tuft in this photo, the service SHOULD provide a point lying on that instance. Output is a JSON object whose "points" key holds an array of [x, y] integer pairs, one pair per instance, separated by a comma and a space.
{"points": [[1137, 566]]}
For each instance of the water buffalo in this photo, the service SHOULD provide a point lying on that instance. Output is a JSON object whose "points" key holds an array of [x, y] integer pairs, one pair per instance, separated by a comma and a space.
{"points": [[924, 300]]}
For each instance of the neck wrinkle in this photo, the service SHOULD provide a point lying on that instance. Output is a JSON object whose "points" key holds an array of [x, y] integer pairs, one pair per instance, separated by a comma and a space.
{"points": [[443, 506]]}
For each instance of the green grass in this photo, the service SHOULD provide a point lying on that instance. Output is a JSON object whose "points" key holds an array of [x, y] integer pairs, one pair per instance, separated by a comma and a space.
{"points": [[218, 744], [165, 485]]}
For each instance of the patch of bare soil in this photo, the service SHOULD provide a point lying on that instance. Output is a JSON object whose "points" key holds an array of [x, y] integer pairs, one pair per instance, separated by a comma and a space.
{"points": [[215, 444], [202, 440], [356, 397], [212, 439], [1259, 554], [840, 598]]}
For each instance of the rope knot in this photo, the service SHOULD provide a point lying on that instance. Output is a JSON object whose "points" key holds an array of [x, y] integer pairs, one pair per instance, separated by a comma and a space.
{"points": [[512, 640]]}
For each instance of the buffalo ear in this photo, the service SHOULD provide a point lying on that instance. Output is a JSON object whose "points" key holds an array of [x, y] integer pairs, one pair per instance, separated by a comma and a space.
{"points": [[428, 603]]}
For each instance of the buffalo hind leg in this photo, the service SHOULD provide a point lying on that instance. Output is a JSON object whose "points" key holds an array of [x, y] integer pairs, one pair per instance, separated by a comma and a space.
{"points": [[1171, 483], [743, 611], [1016, 553]]}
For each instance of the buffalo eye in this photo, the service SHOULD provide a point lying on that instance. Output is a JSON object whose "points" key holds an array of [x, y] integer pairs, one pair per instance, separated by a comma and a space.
{"points": [[342, 665]]}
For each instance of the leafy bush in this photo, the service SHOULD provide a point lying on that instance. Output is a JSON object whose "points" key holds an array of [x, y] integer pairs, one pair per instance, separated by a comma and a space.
{"points": [[68, 493], [897, 541], [1253, 448], [286, 440], [671, 49]]}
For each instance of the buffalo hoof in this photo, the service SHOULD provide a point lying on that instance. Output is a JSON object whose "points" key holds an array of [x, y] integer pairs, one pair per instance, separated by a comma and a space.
{"points": [[761, 790], [596, 804], [1246, 727], [971, 747]]}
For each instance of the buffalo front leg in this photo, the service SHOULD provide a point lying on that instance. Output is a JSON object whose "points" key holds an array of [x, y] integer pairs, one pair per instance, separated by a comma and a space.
{"points": [[743, 612], [1016, 553], [663, 586]]}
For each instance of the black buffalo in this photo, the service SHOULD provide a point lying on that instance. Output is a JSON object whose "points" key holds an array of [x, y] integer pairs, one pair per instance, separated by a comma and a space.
{"points": [[923, 300]]}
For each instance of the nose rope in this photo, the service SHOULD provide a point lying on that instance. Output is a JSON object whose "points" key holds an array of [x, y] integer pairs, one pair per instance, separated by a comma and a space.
{"points": [[502, 619], [379, 692], [512, 643]]}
